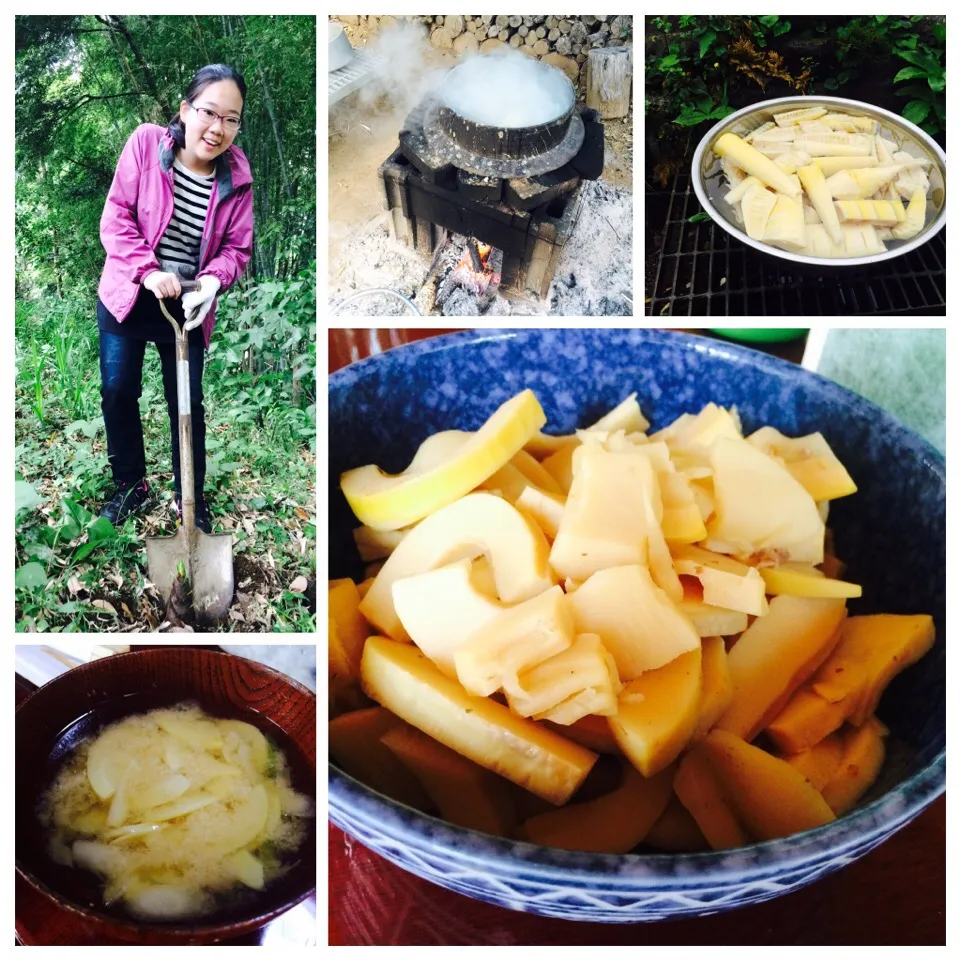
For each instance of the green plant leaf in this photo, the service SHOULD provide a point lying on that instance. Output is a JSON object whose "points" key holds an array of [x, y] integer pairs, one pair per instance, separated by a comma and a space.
{"points": [[830, 84], [924, 60], [781, 28], [916, 111], [31, 576], [80, 515], [689, 116], [915, 90], [25, 496], [84, 550], [101, 529], [768, 21], [909, 73], [940, 32], [931, 127], [701, 217], [38, 551], [705, 42], [937, 84], [72, 606]]}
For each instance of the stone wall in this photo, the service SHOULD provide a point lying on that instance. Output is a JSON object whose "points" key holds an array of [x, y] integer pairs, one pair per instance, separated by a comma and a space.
{"points": [[562, 41]]}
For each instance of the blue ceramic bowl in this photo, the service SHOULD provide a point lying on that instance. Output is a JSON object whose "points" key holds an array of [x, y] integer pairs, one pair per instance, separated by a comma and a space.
{"points": [[892, 533]]}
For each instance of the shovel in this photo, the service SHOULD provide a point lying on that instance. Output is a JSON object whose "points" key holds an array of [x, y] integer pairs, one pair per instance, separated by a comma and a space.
{"points": [[207, 558]]}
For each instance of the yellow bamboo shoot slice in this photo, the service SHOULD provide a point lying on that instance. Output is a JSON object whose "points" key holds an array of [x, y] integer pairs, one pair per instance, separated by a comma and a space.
{"points": [[195, 733], [789, 117], [106, 763], [864, 751], [519, 638], [775, 655], [581, 681], [769, 796], [750, 159], [832, 165], [165, 790], [698, 789], [658, 713], [256, 743], [613, 823], [133, 830], [180, 808], [805, 580], [391, 502], [726, 582], [247, 868], [464, 792], [916, 214], [476, 524], [815, 184], [716, 691], [402, 679]]}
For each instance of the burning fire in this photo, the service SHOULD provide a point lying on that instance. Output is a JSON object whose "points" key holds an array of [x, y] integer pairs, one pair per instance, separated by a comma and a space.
{"points": [[467, 261]]}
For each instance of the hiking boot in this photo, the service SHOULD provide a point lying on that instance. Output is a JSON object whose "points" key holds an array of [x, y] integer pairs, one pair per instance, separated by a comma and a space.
{"points": [[129, 498], [201, 518]]}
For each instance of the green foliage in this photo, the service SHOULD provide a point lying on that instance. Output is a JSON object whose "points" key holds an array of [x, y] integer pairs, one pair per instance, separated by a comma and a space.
{"points": [[695, 55], [85, 82], [260, 397], [928, 108], [694, 72]]}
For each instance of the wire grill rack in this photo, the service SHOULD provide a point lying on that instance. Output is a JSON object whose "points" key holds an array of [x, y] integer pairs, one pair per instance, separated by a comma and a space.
{"points": [[701, 270], [352, 75]]}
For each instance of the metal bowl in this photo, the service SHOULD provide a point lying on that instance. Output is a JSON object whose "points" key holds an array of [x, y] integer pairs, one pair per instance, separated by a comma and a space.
{"points": [[706, 173]]}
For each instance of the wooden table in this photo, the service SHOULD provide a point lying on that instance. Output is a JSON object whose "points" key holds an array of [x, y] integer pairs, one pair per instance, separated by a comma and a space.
{"points": [[894, 895]]}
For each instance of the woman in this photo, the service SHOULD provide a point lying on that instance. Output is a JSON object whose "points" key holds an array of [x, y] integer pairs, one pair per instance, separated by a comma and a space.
{"points": [[180, 207]]}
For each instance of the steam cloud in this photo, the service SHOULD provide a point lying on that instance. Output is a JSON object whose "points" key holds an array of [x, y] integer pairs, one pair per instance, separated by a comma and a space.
{"points": [[507, 89]]}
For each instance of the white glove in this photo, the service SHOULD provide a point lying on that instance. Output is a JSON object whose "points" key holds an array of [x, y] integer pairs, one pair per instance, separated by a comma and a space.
{"points": [[197, 302]]}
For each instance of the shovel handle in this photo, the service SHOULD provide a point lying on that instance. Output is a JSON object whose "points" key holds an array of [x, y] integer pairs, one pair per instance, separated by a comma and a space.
{"points": [[186, 286]]}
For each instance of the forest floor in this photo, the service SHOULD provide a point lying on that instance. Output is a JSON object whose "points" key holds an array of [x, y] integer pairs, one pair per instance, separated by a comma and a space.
{"points": [[363, 132], [75, 572]]}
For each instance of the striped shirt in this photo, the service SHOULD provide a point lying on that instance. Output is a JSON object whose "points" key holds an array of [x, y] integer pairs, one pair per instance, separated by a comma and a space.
{"points": [[179, 247]]}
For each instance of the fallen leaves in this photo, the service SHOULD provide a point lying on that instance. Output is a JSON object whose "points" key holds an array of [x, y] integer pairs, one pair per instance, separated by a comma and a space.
{"points": [[105, 606], [299, 584]]}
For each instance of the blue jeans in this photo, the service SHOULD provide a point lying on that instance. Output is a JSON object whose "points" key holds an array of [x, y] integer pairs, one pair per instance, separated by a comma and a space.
{"points": [[121, 373]]}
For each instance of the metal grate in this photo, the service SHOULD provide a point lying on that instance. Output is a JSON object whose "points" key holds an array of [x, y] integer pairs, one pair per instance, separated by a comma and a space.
{"points": [[701, 270], [353, 75]]}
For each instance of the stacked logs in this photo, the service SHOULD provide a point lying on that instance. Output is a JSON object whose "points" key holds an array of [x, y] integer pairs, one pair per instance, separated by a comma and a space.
{"points": [[562, 41]]}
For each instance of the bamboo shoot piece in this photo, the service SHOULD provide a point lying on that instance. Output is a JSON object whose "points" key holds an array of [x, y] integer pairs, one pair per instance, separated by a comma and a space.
{"points": [[916, 214], [408, 684], [815, 184], [753, 162]]}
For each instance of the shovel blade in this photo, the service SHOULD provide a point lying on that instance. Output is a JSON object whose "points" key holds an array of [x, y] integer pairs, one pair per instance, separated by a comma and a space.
{"points": [[162, 556], [212, 575], [211, 571]]}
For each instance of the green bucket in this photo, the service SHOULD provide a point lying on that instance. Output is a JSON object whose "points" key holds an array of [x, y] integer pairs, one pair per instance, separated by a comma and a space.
{"points": [[761, 335]]}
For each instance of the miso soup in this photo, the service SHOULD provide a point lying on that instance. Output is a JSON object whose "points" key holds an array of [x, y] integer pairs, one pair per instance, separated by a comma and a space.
{"points": [[175, 810]]}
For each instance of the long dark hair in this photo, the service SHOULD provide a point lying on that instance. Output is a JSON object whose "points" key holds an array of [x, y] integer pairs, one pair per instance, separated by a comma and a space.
{"points": [[212, 73]]}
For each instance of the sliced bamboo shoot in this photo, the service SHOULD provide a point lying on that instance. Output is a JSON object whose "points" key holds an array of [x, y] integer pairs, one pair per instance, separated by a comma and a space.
{"points": [[815, 184], [409, 685], [754, 162], [916, 214]]}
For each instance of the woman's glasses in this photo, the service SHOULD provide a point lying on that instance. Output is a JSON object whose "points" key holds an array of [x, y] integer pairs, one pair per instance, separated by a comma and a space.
{"points": [[230, 124]]}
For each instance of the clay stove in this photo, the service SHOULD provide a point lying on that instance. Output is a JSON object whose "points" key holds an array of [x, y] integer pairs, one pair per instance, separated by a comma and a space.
{"points": [[514, 189]]}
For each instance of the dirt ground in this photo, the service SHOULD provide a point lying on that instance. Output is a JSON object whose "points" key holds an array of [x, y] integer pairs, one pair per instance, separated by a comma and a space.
{"points": [[363, 132]]}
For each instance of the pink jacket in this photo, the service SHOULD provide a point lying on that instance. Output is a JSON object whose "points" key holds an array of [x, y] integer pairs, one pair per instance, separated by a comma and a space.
{"points": [[140, 205]]}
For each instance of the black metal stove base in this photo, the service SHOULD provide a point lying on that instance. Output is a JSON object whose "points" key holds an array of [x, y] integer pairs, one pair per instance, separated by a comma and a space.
{"points": [[700, 270], [531, 241]]}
